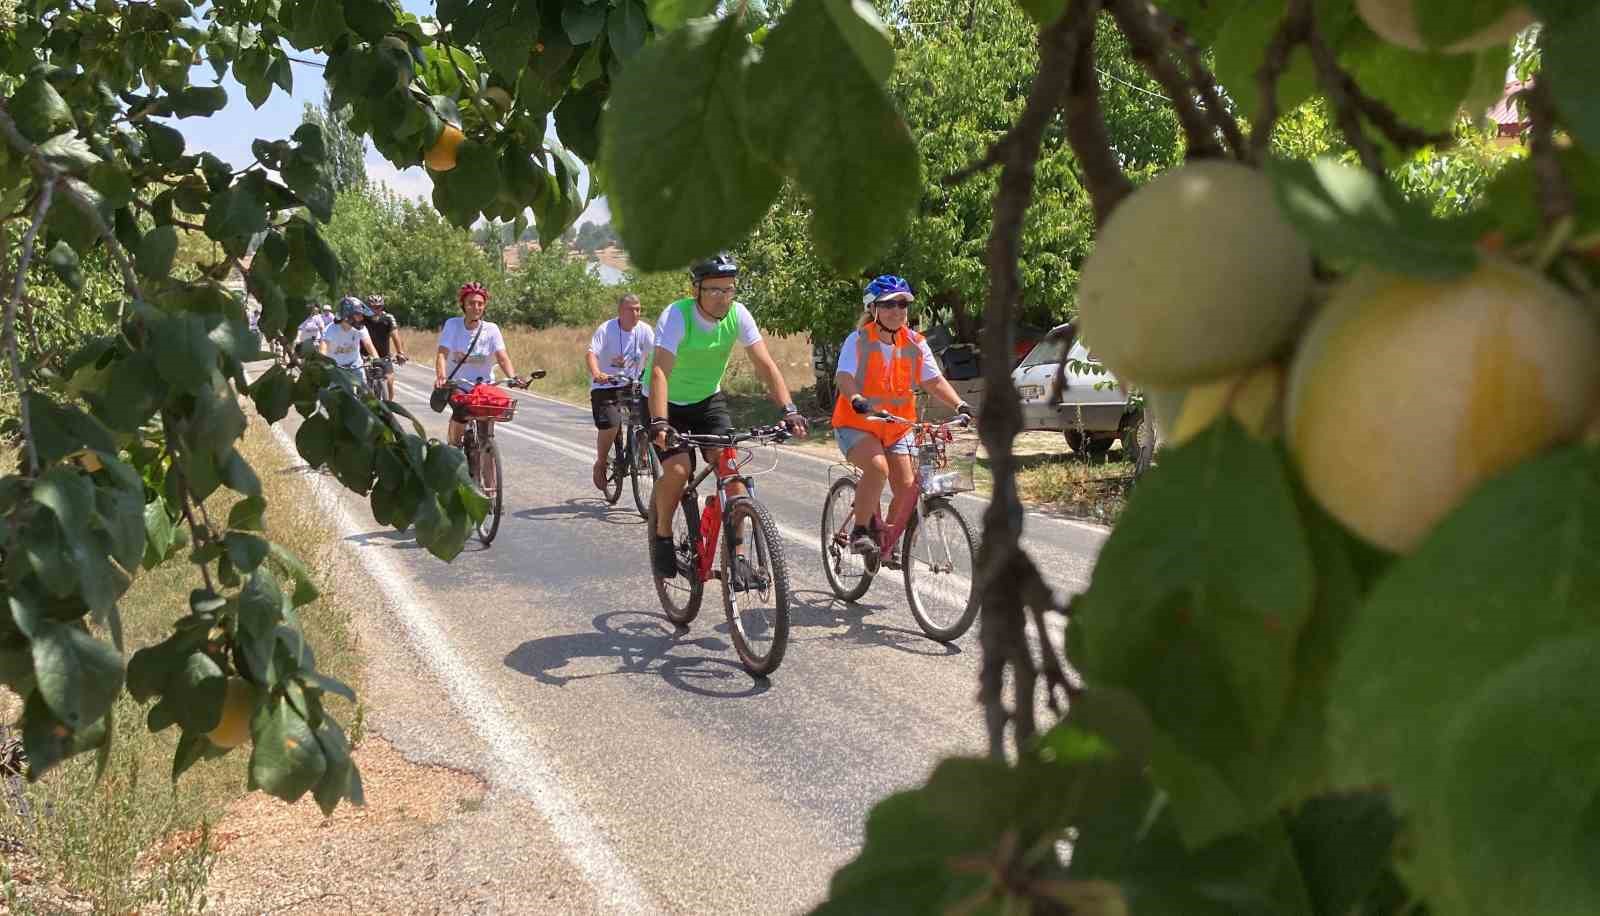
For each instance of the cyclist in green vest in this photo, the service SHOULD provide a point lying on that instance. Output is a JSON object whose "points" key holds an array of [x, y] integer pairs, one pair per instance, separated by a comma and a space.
{"points": [[694, 340]]}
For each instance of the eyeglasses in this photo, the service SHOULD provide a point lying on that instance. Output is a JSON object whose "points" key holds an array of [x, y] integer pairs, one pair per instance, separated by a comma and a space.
{"points": [[892, 304], [717, 290]]}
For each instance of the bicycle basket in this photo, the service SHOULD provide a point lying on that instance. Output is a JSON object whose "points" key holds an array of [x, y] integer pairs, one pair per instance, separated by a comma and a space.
{"points": [[947, 470], [486, 402]]}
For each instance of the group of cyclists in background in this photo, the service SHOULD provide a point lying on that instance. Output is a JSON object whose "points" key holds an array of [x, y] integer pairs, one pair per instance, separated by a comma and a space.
{"points": [[669, 378]]}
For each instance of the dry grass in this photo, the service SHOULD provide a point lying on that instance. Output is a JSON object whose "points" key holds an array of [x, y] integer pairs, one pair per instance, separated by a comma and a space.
{"points": [[135, 841]]}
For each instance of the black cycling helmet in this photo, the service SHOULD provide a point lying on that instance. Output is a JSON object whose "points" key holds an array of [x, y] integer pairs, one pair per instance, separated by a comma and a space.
{"points": [[718, 265], [350, 306]]}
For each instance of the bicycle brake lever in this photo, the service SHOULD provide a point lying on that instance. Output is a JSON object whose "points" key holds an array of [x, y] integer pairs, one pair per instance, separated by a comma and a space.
{"points": [[537, 373]]}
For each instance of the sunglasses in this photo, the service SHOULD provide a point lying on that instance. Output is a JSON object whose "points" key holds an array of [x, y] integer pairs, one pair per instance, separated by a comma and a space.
{"points": [[891, 304]]}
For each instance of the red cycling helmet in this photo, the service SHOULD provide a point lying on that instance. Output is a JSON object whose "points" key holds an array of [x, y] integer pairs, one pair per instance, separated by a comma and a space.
{"points": [[468, 289]]}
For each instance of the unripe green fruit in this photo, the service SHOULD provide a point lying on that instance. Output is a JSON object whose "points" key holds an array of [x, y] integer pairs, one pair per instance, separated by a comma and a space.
{"points": [[1407, 394], [1195, 276], [1253, 398], [1395, 21]]}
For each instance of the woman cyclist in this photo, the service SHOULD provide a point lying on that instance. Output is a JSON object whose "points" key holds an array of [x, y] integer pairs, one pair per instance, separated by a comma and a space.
{"points": [[476, 344], [878, 365], [347, 339]]}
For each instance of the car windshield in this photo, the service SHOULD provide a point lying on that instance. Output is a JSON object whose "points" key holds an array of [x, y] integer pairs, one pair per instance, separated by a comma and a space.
{"points": [[1045, 351]]}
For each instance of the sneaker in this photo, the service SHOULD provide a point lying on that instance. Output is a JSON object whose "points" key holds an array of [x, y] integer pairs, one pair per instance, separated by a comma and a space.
{"points": [[746, 577], [664, 557], [862, 542]]}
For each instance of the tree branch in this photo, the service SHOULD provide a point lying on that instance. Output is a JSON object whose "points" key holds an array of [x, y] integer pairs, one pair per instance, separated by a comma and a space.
{"points": [[1340, 88], [1201, 76], [1085, 123], [8, 336], [1291, 32], [1150, 48], [1065, 50], [1555, 196]]}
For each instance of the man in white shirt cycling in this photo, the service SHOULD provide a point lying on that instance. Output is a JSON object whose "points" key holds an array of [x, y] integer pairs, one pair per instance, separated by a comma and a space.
{"points": [[694, 341], [617, 354], [348, 339], [308, 336]]}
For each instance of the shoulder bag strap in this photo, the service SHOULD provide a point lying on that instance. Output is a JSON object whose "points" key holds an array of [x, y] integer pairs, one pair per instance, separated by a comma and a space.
{"points": [[466, 354]]}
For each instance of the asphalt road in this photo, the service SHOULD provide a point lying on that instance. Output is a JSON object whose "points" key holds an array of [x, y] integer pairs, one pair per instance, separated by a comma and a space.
{"points": [[672, 780]]}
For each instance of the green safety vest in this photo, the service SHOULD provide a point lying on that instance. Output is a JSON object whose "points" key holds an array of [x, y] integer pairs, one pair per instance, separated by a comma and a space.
{"points": [[702, 358]]}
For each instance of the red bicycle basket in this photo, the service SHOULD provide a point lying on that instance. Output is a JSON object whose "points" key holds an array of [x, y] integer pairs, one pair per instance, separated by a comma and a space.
{"points": [[486, 402]]}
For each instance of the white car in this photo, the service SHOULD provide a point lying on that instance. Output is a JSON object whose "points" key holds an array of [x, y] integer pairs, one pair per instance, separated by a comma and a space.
{"points": [[1092, 411]]}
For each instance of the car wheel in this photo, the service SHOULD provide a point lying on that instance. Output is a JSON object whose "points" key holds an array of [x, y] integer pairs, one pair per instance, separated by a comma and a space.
{"points": [[1088, 445]]}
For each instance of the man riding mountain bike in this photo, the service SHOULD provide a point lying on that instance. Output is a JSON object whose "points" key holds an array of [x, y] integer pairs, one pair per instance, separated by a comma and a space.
{"points": [[879, 365], [347, 339], [617, 353], [385, 332], [694, 341]]}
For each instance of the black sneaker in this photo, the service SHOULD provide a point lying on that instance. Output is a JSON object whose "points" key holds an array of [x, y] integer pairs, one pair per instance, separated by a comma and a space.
{"points": [[664, 557], [862, 542], [746, 577]]}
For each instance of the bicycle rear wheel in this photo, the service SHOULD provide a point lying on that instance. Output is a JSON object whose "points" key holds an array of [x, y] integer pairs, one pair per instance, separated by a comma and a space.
{"points": [[941, 581], [758, 615], [645, 472], [615, 469], [488, 477], [848, 573], [680, 596]]}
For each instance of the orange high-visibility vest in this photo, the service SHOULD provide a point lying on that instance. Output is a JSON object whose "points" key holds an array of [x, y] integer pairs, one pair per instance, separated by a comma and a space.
{"points": [[886, 383]]}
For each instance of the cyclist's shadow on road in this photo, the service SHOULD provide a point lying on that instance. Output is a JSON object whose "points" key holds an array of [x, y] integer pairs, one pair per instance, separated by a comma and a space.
{"points": [[583, 508], [640, 644], [814, 608]]}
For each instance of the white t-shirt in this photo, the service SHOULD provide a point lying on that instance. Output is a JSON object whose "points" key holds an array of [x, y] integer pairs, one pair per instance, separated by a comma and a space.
{"points": [[310, 330], [621, 352], [670, 328], [848, 365], [345, 344], [479, 364]]}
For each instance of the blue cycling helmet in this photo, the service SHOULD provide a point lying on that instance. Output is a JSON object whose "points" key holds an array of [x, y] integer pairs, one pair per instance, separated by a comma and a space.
{"points": [[887, 286], [350, 306]]}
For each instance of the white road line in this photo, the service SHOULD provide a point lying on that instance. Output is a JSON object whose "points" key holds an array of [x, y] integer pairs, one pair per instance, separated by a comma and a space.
{"points": [[521, 766], [977, 502]]}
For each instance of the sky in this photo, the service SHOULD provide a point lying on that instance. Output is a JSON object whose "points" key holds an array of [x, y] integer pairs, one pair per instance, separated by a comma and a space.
{"points": [[228, 133]]}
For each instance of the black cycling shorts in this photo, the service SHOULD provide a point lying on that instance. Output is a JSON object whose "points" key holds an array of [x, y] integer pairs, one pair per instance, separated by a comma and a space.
{"points": [[605, 415], [709, 418]]}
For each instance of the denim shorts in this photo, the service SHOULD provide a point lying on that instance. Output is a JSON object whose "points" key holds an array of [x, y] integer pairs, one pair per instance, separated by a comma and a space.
{"points": [[849, 437]]}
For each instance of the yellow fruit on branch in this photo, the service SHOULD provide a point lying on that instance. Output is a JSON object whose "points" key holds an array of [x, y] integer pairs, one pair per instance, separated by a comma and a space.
{"points": [[237, 709], [1253, 398], [441, 156], [1195, 276], [1395, 21], [1406, 394]]}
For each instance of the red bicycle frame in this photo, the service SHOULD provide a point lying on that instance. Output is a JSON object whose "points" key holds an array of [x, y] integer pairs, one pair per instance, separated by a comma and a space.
{"points": [[927, 434], [711, 515]]}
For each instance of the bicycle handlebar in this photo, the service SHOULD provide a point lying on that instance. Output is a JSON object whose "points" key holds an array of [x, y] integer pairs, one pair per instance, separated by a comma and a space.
{"points": [[774, 433], [883, 416]]}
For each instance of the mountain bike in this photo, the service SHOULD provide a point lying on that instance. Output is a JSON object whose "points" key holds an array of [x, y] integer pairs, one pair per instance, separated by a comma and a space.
{"points": [[754, 577], [939, 556], [631, 454], [483, 453]]}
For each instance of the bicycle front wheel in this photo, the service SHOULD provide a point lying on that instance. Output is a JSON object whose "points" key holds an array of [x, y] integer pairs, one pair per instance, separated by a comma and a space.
{"points": [[645, 472], [489, 478], [680, 596], [616, 468], [847, 573], [755, 586], [940, 560]]}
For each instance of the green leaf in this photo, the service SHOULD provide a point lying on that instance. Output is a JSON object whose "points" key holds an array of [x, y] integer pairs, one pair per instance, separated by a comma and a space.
{"points": [[159, 533], [113, 183], [1198, 600], [197, 691], [46, 741], [315, 440], [673, 135], [317, 23], [285, 759], [626, 27], [340, 779], [305, 591], [156, 251], [49, 556], [1510, 814], [246, 514], [236, 212], [60, 430], [666, 15], [320, 253], [578, 120], [1241, 46], [164, 143], [77, 675], [63, 261], [445, 468], [1043, 12], [1343, 845], [582, 21], [864, 34], [272, 392], [475, 180], [508, 40], [39, 110], [371, 19], [815, 126], [1424, 89], [199, 101], [245, 550], [1514, 569], [1444, 22], [1351, 216], [1571, 70]]}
